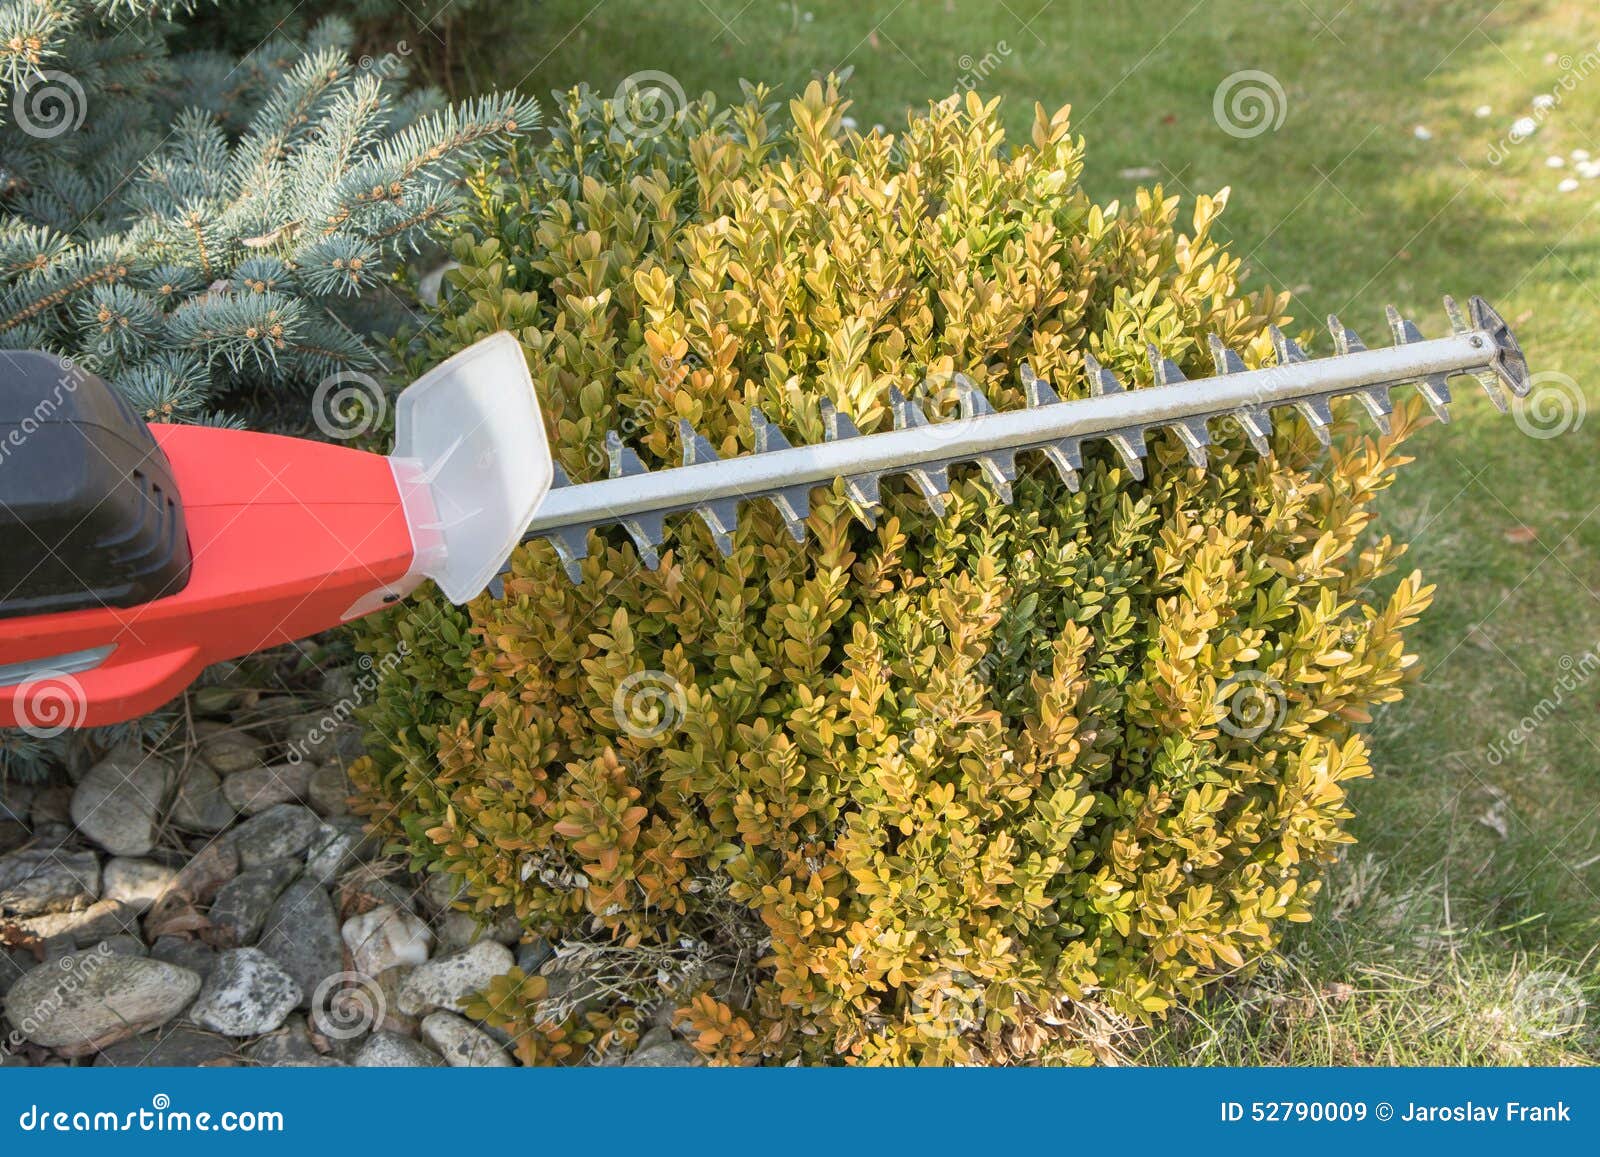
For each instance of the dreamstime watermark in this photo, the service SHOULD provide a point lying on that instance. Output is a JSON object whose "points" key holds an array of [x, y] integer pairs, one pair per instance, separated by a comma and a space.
{"points": [[974, 71], [1548, 1004], [955, 402], [74, 972], [1553, 405], [49, 104], [1574, 71], [946, 1005], [649, 703], [648, 103], [389, 66], [50, 704], [1574, 674], [44, 409], [160, 1117], [1249, 103], [1252, 704], [362, 687], [348, 404], [348, 1005]]}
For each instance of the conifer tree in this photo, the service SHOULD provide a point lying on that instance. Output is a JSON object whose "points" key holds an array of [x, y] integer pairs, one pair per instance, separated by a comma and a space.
{"points": [[195, 226]]}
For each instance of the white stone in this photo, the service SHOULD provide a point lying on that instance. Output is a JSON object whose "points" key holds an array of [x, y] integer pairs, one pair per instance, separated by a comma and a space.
{"points": [[385, 937], [247, 994], [388, 1050], [448, 981], [463, 1044]]}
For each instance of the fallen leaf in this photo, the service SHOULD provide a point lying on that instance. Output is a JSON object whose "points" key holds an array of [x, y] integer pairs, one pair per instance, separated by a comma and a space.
{"points": [[1521, 535]]}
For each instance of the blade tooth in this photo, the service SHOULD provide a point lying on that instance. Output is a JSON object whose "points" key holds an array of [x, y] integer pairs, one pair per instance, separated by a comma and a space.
{"points": [[695, 447], [1101, 380], [863, 492], [558, 477], [1458, 320], [795, 506], [973, 401], [1318, 416], [1226, 361], [1405, 330], [1131, 447], [907, 414], [1000, 468], [768, 436], [572, 547], [1345, 340], [1375, 399], [1491, 386], [1195, 438], [722, 520], [622, 460], [497, 585], [1165, 370], [1288, 352], [1038, 390], [1067, 459], [933, 480], [1257, 426], [647, 531], [1435, 390], [837, 424]]}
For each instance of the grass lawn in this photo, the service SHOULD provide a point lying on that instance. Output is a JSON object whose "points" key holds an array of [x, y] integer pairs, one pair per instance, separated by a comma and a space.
{"points": [[1463, 927]]}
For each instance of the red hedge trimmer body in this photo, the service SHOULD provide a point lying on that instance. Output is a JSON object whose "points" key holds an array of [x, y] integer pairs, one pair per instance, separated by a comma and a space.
{"points": [[134, 556], [285, 536], [137, 555]]}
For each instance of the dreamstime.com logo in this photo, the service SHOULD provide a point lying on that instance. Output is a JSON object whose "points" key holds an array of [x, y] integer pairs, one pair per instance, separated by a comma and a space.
{"points": [[44, 409], [649, 703], [49, 104], [362, 688], [1553, 406], [1252, 704], [348, 1005], [160, 1117], [1575, 672], [348, 404], [1548, 1004], [50, 704], [648, 103], [1249, 103]]}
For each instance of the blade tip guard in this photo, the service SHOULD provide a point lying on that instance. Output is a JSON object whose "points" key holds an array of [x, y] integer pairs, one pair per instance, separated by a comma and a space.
{"points": [[1509, 364], [472, 463]]}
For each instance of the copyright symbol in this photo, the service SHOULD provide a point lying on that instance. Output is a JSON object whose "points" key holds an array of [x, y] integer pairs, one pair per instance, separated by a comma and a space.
{"points": [[1385, 1110]]}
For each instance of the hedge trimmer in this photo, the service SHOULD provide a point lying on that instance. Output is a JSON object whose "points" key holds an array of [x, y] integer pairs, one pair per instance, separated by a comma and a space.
{"points": [[137, 555]]}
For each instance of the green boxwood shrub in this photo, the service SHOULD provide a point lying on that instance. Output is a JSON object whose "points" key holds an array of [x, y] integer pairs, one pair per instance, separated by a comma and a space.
{"points": [[935, 790]]}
